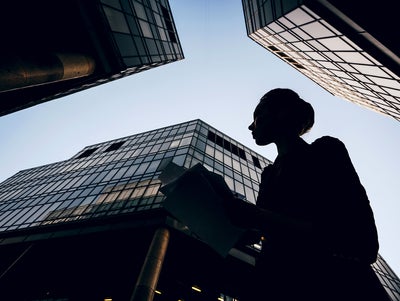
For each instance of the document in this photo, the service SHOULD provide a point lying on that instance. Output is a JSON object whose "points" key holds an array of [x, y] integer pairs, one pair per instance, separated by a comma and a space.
{"points": [[195, 198]]}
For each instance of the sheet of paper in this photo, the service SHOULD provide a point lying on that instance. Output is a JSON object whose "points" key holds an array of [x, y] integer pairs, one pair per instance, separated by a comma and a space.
{"points": [[170, 173], [192, 200]]}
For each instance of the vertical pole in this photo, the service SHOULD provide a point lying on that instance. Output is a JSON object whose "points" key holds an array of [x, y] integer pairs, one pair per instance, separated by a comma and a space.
{"points": [[16, 261], [146, 284]]}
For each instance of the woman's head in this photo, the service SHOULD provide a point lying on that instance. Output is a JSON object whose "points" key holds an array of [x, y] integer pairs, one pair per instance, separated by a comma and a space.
{"points": [[281, 112]]}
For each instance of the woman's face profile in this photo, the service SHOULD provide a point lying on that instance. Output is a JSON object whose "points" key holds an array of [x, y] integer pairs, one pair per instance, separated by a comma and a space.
{"points": [[264, 127]]}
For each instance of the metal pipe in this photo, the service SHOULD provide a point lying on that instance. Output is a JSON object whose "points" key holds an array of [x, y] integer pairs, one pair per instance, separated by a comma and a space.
{"points": [[146, 283], [31, 70]]}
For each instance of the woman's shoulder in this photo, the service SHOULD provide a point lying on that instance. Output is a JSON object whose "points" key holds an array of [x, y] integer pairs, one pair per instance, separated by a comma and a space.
{"points": [[331, 148], [328, 144], [326, 141]]}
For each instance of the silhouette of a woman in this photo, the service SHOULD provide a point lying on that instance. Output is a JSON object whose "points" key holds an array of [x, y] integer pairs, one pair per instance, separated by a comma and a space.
{"points": [[312, 210]]}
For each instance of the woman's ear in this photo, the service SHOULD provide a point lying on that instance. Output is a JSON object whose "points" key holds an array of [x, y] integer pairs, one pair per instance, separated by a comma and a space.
{"points": [[282, 117], [284, 121]]}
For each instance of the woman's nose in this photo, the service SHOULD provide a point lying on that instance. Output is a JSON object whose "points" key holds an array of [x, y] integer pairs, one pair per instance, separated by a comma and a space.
{"points": [[251, 126]]}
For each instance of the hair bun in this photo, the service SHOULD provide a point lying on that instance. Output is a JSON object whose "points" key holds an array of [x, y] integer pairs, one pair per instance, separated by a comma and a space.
{"points": [[300, 114]]}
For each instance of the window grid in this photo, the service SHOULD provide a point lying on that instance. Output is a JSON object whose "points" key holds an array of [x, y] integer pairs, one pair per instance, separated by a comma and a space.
{"points": [[143, 31], [121, 176], [323, 54]]}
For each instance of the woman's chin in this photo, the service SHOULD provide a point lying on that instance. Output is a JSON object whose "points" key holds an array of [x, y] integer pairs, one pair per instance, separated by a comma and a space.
{"points": [[262, 141]]}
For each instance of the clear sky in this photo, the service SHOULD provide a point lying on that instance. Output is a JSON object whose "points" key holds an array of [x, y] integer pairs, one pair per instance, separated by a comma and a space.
{"points": [[220, 81]]}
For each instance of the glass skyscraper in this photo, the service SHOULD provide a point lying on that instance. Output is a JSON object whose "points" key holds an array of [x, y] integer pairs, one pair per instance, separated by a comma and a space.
{"points": [[79, 229], [346, 47], [52, 49]]}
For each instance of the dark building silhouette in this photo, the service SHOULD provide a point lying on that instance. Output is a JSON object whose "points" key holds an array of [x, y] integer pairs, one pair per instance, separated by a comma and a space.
{"points": [[54, 48], [347, 47], [80, 229]]}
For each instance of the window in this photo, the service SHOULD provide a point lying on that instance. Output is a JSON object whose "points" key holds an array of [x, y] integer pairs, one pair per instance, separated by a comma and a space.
{"points": [[168, 24], [256, 162], [87, 153], [116, 20], [114, 146], [226, 144]]}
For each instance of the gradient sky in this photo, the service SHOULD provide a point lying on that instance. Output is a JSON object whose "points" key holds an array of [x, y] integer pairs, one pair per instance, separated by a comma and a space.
{"points": [[220, 81]]}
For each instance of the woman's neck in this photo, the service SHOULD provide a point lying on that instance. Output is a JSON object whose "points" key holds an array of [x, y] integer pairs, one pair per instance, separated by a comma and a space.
{"points": [[289, 144]]}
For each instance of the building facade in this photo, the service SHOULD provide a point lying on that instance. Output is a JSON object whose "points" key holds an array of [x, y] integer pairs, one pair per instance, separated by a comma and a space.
{"points": [[346, 47], [80, 229], [73, 45]]}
